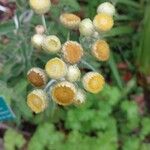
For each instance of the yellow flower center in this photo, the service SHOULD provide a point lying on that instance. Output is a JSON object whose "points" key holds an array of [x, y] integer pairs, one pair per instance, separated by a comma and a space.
{"points": [[64, 95]]}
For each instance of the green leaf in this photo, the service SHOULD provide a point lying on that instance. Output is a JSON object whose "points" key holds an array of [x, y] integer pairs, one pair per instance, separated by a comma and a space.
{"points": [[13, 140]]}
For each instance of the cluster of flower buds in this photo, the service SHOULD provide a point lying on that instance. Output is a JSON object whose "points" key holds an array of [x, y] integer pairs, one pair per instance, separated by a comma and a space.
{"points": [[63, 72]]}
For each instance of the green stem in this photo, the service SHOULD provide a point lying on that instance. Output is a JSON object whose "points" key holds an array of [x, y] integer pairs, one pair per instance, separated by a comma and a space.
{"points": [[44, 22], [68, 36], [88, 65]]}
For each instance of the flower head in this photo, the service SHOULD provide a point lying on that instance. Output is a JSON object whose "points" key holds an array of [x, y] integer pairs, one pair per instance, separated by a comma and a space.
{"points": [[80, 97], [101, 50], [72, 52], [37, 40], [70, 20], [63, 93], [51, 44], [107, 8], [37, 77], [73, 73], [39, 29], [93, 82], [37, 100], [103, 22], [40, 6], [56, 68], [86, 27]]}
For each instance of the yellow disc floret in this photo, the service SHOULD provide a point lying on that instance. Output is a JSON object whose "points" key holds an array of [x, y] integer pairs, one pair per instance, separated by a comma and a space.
{"points": [[70, 20], [93, 82], [103, 22], [101, 50], [56, 68], [72, 52], [64, 93], [37, 101]]}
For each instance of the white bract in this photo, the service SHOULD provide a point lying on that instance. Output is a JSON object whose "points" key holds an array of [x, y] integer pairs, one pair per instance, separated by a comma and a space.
{"points": [[86, 27], [107, 8]]}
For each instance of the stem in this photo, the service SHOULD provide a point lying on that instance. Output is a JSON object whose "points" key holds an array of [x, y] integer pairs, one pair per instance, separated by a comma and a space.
{"points": [[49, 84], [68, 36], [88, 65], [44, 22]]}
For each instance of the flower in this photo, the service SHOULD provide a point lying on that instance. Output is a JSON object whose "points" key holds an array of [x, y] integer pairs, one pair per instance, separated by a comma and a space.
{"points": [[80, 97], [56, 68], [37, 77], [103, 22], [40, 6], [39, 29], [70, 20], [37, 100], [72, 52], [86, 27], [51, 44], [73, 73], [107, 8], [37, 40], [101, 50], [63, 93], [93, 82]]}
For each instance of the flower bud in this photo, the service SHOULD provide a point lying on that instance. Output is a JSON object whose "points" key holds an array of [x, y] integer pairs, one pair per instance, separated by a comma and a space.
{"points": [[101, 50], [107, 8], [40, 6], [56, 68], [86, 27], [103, 22], [37, 40], [93, 82], [39, 29], [51, 44], [70, 20], [72, 52], [80, 97], [37, 100], [37, 77], [73, 73], [64, 93]]}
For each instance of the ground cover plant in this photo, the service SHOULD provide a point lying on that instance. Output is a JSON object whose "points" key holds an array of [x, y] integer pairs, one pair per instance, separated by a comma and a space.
{"points": [[115, 118]]}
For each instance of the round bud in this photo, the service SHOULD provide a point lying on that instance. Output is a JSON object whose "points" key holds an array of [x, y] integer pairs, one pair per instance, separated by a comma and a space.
{"points": [[40, 6], [63, 93], [86, 27], [73, 73], [101, 50], [107, 8], [70, 20], [93, 82], [51, 44], [39, 29], [80, 97], [103, 22], [56, 68], [37, 77], [37, 40], [37, 100], [72, 52]]}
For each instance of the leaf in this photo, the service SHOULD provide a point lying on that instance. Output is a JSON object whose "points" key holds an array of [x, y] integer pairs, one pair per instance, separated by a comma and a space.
{"points": [[145, 127], [7, 27], [13, 140]]}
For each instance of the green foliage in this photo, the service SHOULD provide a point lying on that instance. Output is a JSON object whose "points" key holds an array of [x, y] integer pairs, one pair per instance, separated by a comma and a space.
{"points": [[143, 59], [13, 140]]}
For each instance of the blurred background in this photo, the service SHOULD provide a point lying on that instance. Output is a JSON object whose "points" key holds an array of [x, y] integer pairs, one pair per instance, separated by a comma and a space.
{"points": [[115, 119]]}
